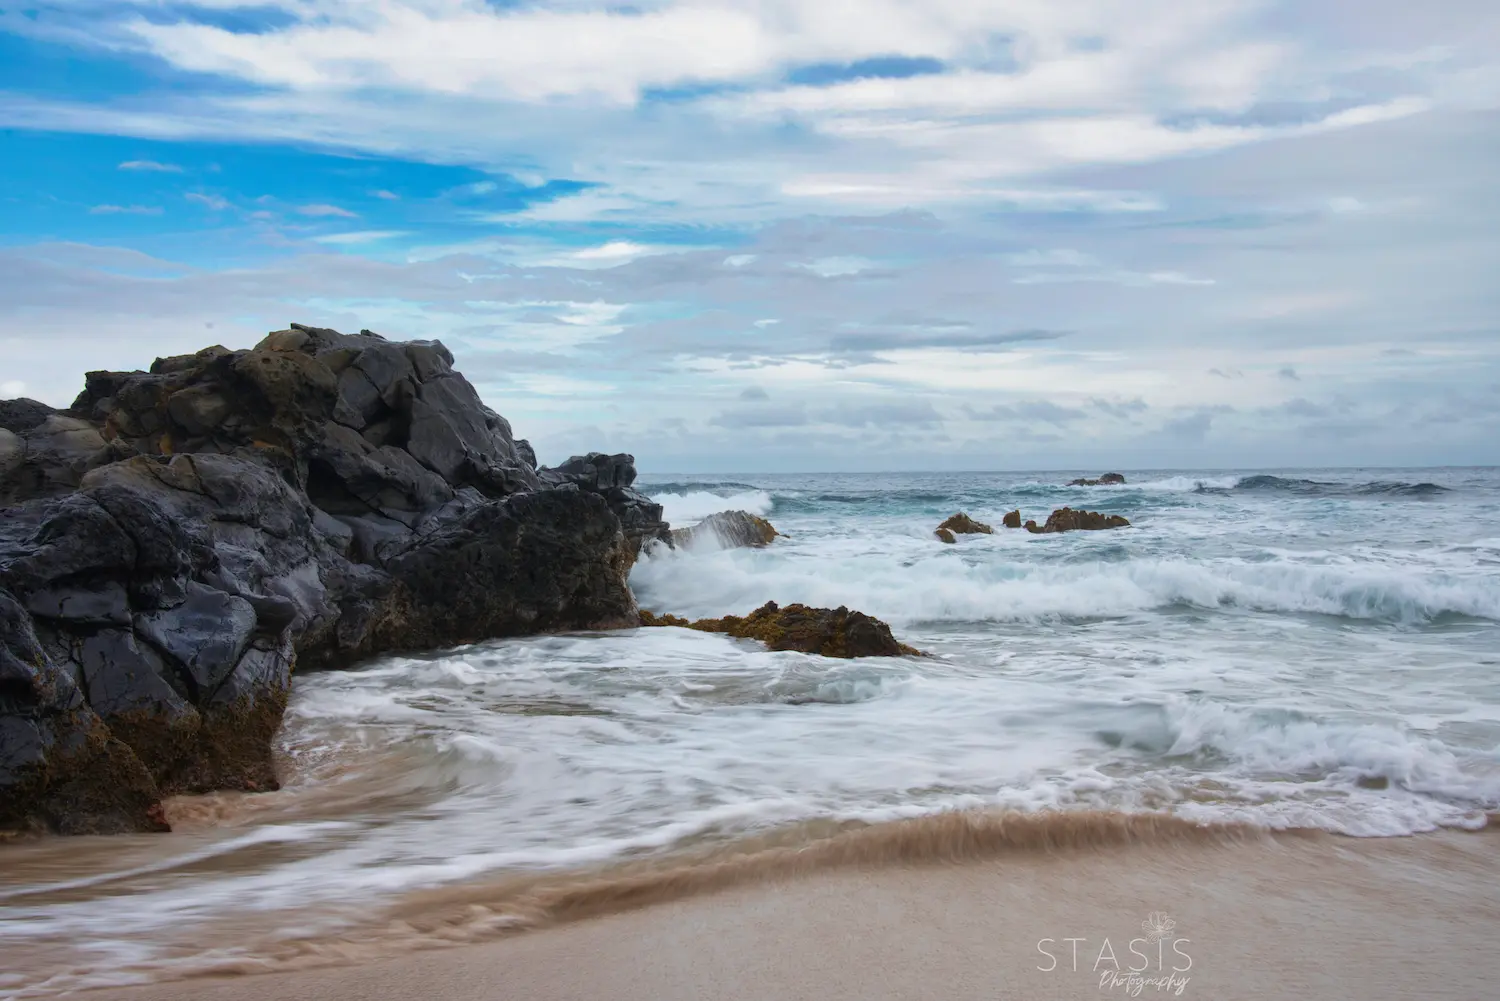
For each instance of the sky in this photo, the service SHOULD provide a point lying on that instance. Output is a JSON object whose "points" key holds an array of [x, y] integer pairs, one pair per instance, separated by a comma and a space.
{"points": [[783, 235]]}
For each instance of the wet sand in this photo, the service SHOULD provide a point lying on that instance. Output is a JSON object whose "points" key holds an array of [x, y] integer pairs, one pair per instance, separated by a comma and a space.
{"points": [[1304, 916]]}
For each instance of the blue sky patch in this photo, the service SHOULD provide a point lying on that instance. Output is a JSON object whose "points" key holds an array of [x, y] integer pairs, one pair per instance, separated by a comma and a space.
{"points": [[880, 67]]}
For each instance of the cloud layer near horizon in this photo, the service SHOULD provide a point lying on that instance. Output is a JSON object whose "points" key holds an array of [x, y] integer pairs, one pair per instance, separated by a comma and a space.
{"points": [[764, 234]]}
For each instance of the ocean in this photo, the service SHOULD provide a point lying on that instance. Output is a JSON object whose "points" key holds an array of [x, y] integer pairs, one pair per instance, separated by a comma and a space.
{"points": [[1261, 649]]}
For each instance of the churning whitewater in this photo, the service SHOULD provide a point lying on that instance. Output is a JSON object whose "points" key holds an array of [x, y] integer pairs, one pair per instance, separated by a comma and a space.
{"points": [[1278, 650]]}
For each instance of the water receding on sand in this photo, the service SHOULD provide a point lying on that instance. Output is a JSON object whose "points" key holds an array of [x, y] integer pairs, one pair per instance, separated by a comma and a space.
{"points": [[1249, 657]]}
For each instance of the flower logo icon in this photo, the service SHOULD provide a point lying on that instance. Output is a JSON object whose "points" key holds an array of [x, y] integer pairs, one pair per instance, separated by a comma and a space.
{"points": [[1157, 926]]}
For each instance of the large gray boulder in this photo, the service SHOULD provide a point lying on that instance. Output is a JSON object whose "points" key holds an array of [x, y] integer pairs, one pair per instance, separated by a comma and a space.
{"points": [[181, 539]]}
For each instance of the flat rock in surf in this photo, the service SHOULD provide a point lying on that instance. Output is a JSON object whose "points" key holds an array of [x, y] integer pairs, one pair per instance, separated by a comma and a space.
{"points": [[178, 539], [729, 529], [830, 632], [1065, 519], [1107, 480]]}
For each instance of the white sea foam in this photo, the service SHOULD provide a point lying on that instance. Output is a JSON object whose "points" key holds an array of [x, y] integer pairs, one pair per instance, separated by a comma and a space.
{"points": [[690, 508], [1190, 483], [941, 588]]}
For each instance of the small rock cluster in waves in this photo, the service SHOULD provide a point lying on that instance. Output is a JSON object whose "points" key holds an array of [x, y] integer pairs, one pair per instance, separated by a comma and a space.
{"points": [[178, 538], [829, 632], [1107, 480], [1064, 519], [729, 529]]}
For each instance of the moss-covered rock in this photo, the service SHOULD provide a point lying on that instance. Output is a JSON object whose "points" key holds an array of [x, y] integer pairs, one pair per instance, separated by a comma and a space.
{"points": [[830, 632]]}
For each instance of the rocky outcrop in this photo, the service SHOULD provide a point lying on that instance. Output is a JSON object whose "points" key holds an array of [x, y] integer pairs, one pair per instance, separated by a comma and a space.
{"points": [[944, 535], [612, 476], [830, 632], [1107, 480], [1065, 519], [727, 530], [1012, 519], [962, 524], [181, 538]]}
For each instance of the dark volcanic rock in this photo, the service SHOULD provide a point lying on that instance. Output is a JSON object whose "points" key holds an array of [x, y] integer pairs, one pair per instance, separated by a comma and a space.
{"points": [[962, 524], [182, 537], [20, 416], [1107, 480], [612, 476], [1065, 519], [831, 632], [728, 529], [60, 767]]}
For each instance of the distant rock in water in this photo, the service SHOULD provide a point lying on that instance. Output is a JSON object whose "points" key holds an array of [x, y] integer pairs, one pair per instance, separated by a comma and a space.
{"points": [[1065, 519], [962, 524], [180, 538], [944, 535], [1107, 480], [730, 529], [831, 632], [1012, 520]]}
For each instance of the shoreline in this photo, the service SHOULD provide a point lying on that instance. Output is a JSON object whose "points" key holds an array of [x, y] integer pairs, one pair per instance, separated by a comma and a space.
{"points": [[1275, 916]]}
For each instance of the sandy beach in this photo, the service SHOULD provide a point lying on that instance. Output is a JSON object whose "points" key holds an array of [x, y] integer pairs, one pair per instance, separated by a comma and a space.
{"points": [[1300, 916]]}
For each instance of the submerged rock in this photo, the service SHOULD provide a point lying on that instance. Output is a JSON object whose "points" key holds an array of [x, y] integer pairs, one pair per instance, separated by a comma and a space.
{"points": [[1107, 480], [730, 529], [1065, 519], [181, 538], [945, 536], [962, 524], [831, 632]]}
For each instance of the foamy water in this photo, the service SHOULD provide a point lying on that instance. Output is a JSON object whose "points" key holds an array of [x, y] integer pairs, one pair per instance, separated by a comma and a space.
{"points": [[1298, 651]]}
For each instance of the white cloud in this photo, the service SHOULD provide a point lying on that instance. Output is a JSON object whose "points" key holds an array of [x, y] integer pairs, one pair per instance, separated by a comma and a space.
{"points": [[151, 165], [833, 267], [212, 202], [12, 389], [324, 211], [125, 210], [615, 251], [361, 236]]}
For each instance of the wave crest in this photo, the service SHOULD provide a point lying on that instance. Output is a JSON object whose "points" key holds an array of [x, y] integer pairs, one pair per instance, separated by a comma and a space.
{"points": [[682, 509], [942, 590]]}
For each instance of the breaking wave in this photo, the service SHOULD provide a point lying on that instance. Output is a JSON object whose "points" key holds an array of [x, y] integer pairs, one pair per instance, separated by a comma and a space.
{"points": [[681, 509], [938, 590], [1320, 488]]}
